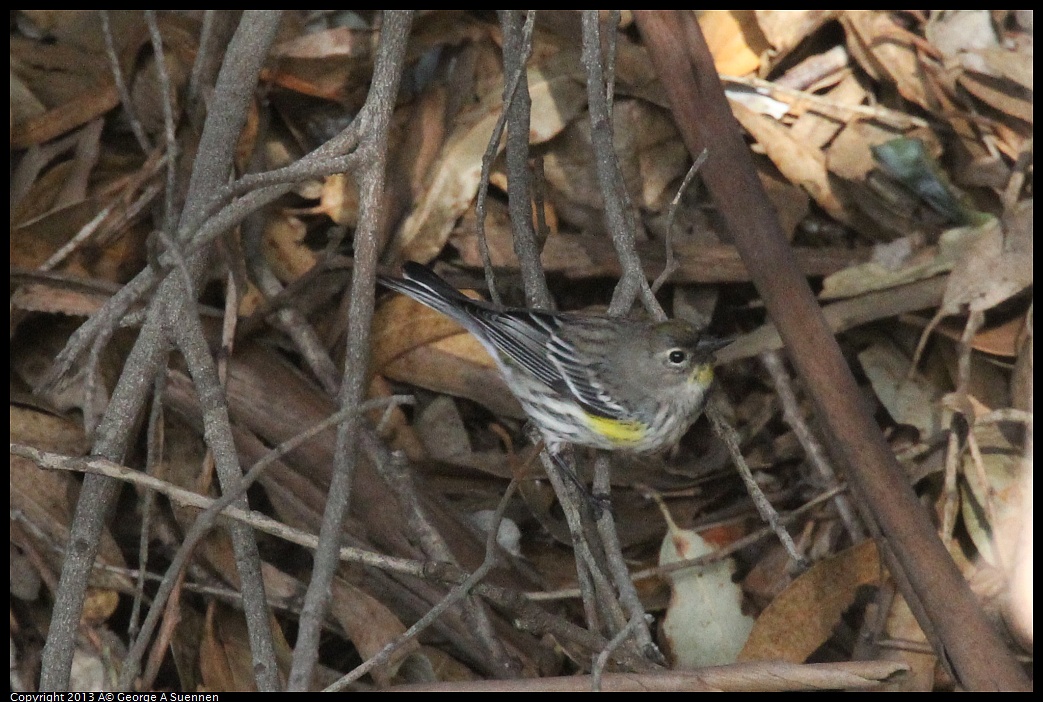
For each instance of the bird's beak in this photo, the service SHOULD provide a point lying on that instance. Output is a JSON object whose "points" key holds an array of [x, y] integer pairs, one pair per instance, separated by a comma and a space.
{"points": [[710, 344]]}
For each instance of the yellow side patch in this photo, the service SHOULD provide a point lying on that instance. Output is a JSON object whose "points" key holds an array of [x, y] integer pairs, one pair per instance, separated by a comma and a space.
{"points": [[618, 432], [703, 374]]}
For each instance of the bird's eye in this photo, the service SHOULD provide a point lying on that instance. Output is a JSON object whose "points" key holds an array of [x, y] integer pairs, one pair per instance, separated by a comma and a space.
{"points": [[677, 357]]}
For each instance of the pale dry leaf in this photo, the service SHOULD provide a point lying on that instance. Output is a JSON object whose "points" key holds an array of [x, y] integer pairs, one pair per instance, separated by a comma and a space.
{"points": [[994, 510], [800, 163], [89, 671], [54, 299], [1018, 606], [952, 247], [557, 97], [785, 29], [1000, 62], [816, 128], [846, 314], [953, 32], [996, 266], [890, 52], [332, 43], [912, 400], [704, 624], [1007, 99], [757, 101]]}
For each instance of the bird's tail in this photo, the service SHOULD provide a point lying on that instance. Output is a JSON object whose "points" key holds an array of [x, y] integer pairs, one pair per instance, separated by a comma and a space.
{"points": [[428, 288]]}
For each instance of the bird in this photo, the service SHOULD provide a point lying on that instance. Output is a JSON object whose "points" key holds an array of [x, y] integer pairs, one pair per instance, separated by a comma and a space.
{"points": [[608, 383]]}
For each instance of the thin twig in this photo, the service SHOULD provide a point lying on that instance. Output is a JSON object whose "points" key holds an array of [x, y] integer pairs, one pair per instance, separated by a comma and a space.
{"points": [[517, 48], [727, 434], [628, 596], [170, 139], [153, 457], [394, 468], [671, 258], [708, 559], [493, 148], [637, 622], [619, 217], [813, 450], [452, 597], [387, 73], [239, 74], [121, 84]]}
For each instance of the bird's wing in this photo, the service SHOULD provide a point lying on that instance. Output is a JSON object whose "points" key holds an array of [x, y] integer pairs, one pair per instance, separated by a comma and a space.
{"points": [[533, 341], [521, 337]]}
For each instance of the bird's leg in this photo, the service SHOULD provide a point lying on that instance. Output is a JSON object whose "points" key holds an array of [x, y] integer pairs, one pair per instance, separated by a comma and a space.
{"points": [[564, 459]]}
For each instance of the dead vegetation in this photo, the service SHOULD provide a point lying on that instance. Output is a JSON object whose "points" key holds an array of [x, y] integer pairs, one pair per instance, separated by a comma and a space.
{"points": [[200, 204]]}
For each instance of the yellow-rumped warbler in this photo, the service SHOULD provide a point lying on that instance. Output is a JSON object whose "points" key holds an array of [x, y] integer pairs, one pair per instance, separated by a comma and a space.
{"points": [[604, 382]]}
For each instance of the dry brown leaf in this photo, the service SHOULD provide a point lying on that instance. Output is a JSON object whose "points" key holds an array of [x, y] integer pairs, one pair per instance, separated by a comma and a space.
{"points": [[370, 626], [803, 616], [71, 76], [890, 268], [499, 236], [987, 386], [909, 399], [735, 40], [996, 266], [785, 29], [557, 97], [802, 164], [74, 87], [1000, 76], [285, 250], [1001, 62], [46, 499], [183, 464], [444, 435], [1008, 99], [993, 509], [902, 626], [43, 196], [332, 64], [445, 667], [414, 344], [225, 661], [817, 129], [395, 429], [652, 160], [891, 53], [1000, 340], [184, 646]]}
